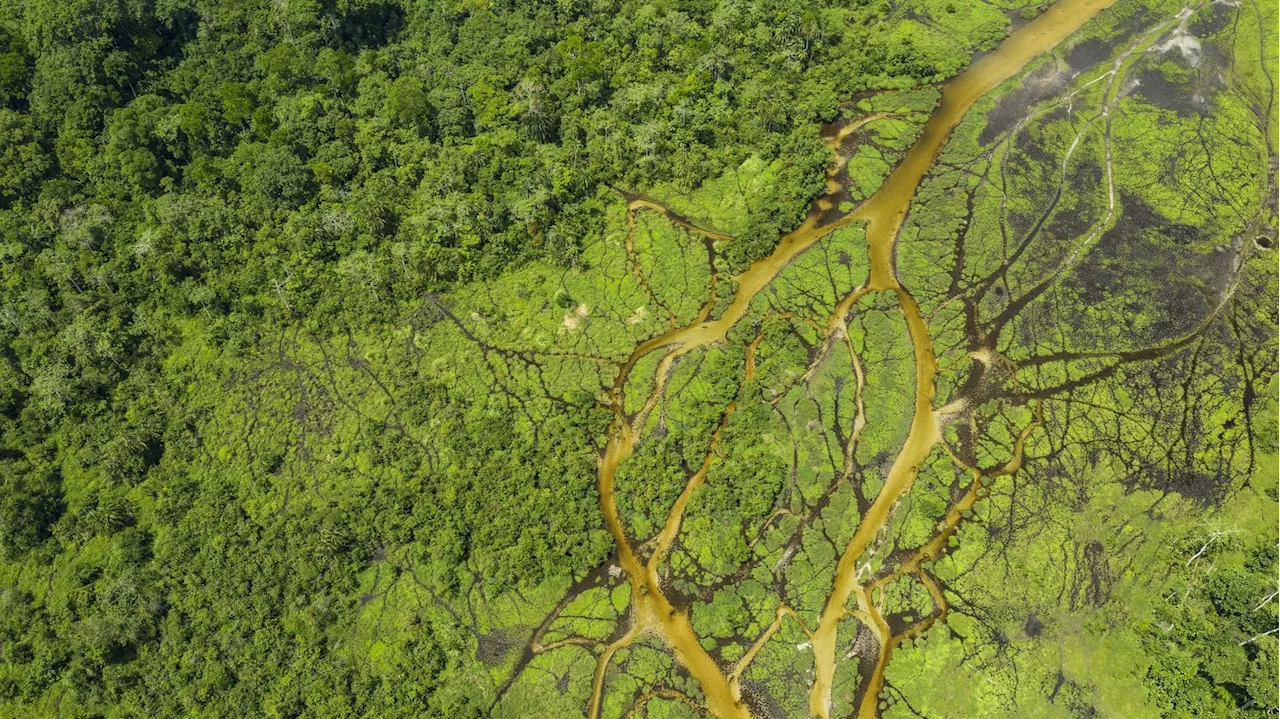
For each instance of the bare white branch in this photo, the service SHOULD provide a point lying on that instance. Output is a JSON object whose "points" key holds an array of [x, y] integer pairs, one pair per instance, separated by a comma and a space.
{"points": [[1256, 637], [1264, 602]]}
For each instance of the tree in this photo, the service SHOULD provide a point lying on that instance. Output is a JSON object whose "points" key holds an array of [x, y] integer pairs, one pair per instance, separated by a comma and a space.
{"points": [[30, 503], [23, 162]]}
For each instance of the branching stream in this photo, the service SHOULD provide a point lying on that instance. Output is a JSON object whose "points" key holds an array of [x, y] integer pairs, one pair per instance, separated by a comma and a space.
{"points": [[857, 590], [651, 610]]}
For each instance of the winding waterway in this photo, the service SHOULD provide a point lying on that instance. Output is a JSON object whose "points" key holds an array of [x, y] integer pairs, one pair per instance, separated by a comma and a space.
{"points": [[651, 611]]}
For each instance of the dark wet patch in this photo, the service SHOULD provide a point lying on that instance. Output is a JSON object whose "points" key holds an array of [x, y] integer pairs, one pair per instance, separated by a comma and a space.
{"points": [[1098, 589], [1087, 54], [1215, 64], [866, 648], [761, 702], [1138, 20], [1032, 171], [659, 430], [1146, 265], [1211, 20], [1033, 627], [1206, 488], [1031, 157], [1017, 21], [1040, 84], [492, 648], [1020, 223], [1156, 89], [836, 199], [1084, 177], [1206, 70], [1068, 225]]}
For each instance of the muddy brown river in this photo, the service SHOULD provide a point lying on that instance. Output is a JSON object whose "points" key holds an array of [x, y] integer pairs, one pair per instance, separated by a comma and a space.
{"points": [[883, 213]]}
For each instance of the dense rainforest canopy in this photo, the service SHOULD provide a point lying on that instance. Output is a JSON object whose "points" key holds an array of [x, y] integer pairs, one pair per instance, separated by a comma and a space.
{"points": [[319, 318]]}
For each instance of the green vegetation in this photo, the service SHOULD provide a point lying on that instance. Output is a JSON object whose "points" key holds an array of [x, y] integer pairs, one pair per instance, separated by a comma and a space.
{"points": [[319, 322]]}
